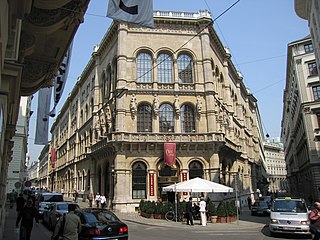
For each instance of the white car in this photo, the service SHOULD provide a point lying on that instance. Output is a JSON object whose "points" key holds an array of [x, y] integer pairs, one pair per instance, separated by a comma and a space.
{"points": [[289, 215], [45, 199]]}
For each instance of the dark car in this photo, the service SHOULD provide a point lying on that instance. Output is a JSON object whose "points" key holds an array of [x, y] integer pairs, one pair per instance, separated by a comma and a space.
{"points": [[260, 208], [101, 224], [54, 211]]}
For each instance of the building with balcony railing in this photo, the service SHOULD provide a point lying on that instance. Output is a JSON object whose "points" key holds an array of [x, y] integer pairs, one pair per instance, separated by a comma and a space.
{"points": [[301, 120], [144, 88]]}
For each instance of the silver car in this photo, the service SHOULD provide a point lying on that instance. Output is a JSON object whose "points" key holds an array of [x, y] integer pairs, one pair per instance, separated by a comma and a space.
{"points": [[44, 199], [54, 211], [289, 215]]}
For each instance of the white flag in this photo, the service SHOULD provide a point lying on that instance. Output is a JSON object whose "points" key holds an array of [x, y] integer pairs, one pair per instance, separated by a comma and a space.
{"points": [[60, 81], [133, 11], [42, 127]]}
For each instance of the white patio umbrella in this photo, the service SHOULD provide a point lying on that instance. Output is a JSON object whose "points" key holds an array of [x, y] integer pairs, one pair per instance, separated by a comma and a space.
{"points": [[197, 185]]}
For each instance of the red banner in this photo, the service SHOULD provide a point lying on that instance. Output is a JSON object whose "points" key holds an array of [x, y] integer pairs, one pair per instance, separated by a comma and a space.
{"points": [[53, 157], [151, 179], [169, 153]]}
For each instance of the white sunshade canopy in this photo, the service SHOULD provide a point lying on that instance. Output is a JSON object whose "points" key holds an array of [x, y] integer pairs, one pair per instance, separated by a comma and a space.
{"points": [[197, 185]]}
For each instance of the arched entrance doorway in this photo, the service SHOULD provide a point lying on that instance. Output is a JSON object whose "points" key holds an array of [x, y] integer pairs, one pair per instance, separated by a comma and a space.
{"points": [[167, 175]]}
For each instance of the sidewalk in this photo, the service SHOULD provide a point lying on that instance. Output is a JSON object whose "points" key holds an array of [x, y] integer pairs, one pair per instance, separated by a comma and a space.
{"points": [[246, 222]]}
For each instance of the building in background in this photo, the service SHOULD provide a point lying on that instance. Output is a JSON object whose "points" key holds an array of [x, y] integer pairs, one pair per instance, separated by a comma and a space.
{"points": [[300, 126], [17, 165], [310, 10], [44, 162], [154, 107], [276, 166], [33, 174]]}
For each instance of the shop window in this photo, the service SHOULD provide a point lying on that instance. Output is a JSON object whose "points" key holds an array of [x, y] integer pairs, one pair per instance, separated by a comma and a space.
{"points": [[139, 180]]}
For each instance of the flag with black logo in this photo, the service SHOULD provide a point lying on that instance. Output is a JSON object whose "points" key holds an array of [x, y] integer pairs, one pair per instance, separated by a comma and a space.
{"points": [[139, 12]]}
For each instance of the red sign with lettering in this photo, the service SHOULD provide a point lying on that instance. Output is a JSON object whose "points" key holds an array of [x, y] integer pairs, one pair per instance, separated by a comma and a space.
{"points": [[184, 178], [169, 153], [151, 179]]}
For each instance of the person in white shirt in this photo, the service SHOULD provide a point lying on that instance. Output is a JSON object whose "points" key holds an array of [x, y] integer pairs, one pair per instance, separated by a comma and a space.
{"points": [[203, 210], [97, 199], [103, 200]]}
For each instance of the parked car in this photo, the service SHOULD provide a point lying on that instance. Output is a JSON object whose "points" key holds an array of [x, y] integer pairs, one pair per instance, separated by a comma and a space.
{"points": [[44, 199], [289, 215], [54, 211], [101, 224], [267, 199], [260, 208]]}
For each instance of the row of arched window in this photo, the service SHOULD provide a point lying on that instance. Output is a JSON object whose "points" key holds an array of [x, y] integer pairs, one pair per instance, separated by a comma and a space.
{"points": [[139, 177], [165, 68], [166, 118]]}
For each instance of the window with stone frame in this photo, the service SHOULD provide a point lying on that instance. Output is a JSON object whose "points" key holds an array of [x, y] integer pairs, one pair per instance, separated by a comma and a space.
{"points": [[144, 118], [144, 68], [187, 118], [316, 92], [165, 64], [139, 181], [185, 69], [313, 71], [195, 170], [308, 48], [318, 119], [166, 118]]}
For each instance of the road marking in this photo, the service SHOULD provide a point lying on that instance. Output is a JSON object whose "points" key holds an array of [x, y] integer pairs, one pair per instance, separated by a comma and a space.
{"points": [[232, 234]]}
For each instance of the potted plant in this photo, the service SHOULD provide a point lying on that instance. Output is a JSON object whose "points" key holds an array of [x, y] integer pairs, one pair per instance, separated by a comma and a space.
{"points": [[232, 211], [212, 212], [222, 212]]}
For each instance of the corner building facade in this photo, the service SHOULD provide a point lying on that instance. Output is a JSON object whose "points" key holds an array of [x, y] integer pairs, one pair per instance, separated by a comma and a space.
{"points": [[146, 87]]}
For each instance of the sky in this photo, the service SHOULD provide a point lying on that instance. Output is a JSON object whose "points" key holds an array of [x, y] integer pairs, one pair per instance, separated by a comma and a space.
{"points": [[257, 33]]}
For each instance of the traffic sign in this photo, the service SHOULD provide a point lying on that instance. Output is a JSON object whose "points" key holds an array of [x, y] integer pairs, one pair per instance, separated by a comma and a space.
{"points": [[27, 184], [17, 185]]}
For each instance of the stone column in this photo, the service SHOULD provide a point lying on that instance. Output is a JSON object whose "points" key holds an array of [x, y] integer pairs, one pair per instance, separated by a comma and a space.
{"points": [[214, 169]]}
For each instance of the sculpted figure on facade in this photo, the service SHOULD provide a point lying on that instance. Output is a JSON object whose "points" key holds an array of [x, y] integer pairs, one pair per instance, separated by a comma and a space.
{"points": [[156, 105], [177, 105], [199, 106], [133, 106]]}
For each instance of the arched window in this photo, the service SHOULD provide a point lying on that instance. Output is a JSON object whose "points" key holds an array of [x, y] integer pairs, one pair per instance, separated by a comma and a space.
{"points": [[144, 118], [166, 122], [187, 118], [139, 181], [185, 69], [164, 68], [195, 170], [144, 68]]}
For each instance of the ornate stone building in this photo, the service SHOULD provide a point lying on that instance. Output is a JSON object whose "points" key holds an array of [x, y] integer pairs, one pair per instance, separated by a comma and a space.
{"points": [[301, 120], [143, 88]]}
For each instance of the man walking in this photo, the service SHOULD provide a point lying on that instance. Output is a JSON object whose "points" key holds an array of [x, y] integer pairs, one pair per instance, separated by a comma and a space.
{"points": [[71, 227], [20, 203], [26, 216], [189, 212]]}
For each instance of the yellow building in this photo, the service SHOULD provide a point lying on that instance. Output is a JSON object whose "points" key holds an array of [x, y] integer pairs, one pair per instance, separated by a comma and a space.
{"points": [[143, 88]]}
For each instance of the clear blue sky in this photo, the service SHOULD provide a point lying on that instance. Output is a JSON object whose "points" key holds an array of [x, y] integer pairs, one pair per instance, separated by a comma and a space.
{"points": [[257, 33]]}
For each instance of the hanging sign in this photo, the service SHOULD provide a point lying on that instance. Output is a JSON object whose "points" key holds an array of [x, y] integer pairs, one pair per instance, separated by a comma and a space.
{"points": [[53, 157], [169, 153]]}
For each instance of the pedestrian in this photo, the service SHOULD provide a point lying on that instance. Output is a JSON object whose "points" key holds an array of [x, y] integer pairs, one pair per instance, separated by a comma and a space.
{"points": [[26, 216], [12, 198], [20, 203], [90, 199], [189, 212], [103, 200], [75, 195], [249, 202], [97, 199], [314, 217], [203, 210], [68, 226]]}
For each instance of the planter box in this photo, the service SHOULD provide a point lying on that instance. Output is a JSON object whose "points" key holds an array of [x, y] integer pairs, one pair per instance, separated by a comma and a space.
{"points": [[214, 219], [157, 216], [222, 220], [232, 218], [146, 215]]}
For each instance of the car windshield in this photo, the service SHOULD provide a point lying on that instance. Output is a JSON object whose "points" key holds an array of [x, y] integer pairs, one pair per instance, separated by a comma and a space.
{"points": [[63, 207], [297, 206], [51, 198], [261, 204], [100, 216]]}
